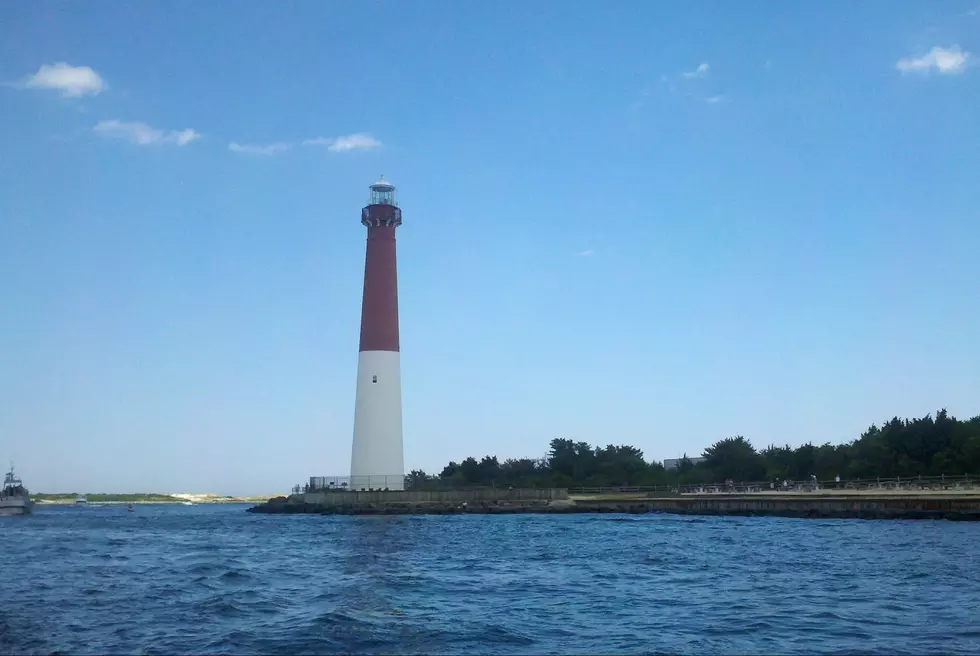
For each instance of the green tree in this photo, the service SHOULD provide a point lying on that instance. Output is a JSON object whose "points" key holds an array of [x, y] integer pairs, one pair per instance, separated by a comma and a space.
{"points": [[416, 480], [900, 447], [734, 458]]}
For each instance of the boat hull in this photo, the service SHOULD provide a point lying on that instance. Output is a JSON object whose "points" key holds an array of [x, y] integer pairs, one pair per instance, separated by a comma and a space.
{"points": [[15, 506]]}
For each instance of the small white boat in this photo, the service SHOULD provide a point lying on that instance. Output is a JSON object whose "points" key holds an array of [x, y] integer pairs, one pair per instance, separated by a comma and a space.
{"points": [[187, 503], [15, 499], [81, 500]]}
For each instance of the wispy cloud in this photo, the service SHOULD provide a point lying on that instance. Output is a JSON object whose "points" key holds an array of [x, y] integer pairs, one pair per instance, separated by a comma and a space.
{"points": [[948, 61], [258, 149], [587, 252], [358, 141], [71, 81], [142, 134], [694, 92], [700, 71]]}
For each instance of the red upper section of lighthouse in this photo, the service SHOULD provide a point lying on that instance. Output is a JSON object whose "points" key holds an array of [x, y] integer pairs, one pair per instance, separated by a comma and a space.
{"points": [[379, 308]]}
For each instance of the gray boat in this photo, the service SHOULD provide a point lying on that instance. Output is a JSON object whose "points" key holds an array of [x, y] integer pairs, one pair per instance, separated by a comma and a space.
{"points": [[15, 499]]}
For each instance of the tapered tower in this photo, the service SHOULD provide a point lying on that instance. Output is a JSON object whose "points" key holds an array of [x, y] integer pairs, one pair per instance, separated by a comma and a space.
{"points": [[377, 460]]}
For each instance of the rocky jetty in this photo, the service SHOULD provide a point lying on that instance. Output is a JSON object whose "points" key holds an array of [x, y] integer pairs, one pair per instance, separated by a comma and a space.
{"points": [[824, 507], [290, 505]]}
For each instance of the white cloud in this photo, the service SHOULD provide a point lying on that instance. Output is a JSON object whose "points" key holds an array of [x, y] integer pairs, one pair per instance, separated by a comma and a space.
{"points": [[142, 134], [258, 149], [72, 81], [184, 137], [587, 252], [358, 141], [700, 71], [714, 100], [318, 141], [948, 61]]}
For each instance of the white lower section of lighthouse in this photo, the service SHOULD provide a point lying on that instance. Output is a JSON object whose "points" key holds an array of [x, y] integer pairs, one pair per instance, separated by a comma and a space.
{"points": [[377, 460]]}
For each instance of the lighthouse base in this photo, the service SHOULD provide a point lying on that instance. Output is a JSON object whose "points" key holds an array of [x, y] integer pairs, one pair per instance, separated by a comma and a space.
{"points": [[377, 459]]}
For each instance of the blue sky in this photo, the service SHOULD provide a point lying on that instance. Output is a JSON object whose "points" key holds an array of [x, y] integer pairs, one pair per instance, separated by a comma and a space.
{"points": [[647, 223]]}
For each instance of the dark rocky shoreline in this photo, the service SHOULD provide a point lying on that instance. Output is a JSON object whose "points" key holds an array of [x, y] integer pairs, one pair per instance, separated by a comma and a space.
{"points": [[797, 508]]}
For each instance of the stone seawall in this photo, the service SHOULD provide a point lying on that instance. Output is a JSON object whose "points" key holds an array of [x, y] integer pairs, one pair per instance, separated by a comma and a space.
{"points": [[921, 506], [556, 501], [330, 498]]}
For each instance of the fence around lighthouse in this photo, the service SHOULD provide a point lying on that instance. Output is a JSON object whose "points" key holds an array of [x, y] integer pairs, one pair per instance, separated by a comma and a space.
{"points": [[390, 482]]}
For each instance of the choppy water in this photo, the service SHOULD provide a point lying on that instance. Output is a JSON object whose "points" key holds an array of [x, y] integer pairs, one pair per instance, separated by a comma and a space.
{"points": [[208, 579]]}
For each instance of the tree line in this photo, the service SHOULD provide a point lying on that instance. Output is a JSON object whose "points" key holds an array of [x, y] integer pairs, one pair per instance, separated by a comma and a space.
{"points": [[930, 446]]}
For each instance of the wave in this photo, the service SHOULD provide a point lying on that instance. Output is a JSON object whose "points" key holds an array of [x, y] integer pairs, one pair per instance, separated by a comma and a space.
{"points": [[217, 581]]}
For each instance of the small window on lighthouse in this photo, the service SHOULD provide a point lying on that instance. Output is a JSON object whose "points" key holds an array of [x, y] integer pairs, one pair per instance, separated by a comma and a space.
{"points": [[374, 379]]}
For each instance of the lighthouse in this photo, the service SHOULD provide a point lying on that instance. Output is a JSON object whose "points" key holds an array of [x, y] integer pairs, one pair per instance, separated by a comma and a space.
{"points": [[377, 459]]}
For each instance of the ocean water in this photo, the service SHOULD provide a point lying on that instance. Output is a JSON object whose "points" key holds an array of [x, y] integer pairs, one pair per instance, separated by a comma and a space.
{"points": [[215, 579]]}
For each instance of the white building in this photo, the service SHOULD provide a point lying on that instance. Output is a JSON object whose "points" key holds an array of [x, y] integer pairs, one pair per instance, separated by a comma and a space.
{"points": [[674, 463]]}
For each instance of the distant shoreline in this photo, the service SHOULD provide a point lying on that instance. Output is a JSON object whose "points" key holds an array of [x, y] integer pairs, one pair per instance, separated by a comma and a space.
{"points": [[42, 500]]}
